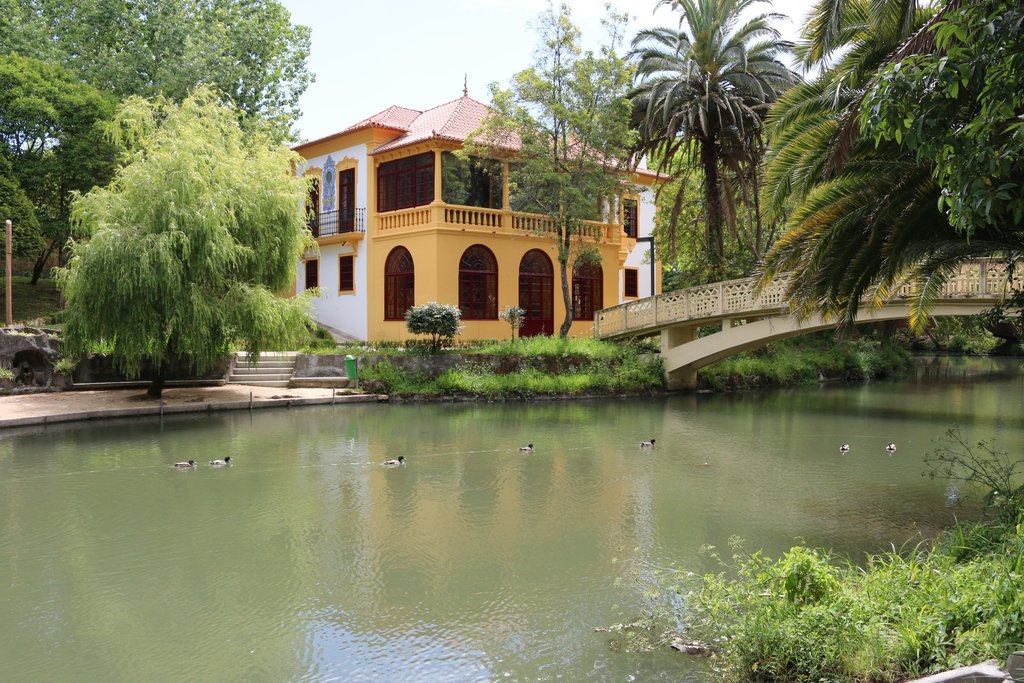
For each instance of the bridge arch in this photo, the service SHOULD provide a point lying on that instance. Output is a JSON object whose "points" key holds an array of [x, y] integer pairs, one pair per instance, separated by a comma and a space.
{"points": [[749, 318]]}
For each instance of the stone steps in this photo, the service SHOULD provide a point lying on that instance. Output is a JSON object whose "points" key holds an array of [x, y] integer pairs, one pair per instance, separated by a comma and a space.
{"points": [[272, 369]]}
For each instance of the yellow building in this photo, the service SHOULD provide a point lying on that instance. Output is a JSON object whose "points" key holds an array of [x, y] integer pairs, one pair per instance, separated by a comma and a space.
{"points": [[401, 221]]}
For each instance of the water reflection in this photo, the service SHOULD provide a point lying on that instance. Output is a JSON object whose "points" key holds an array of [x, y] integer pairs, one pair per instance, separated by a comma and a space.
{"points": [[307, 560]]}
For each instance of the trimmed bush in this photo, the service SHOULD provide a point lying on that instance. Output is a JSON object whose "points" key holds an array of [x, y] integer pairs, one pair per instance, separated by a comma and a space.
{"points": [[441, 321]]}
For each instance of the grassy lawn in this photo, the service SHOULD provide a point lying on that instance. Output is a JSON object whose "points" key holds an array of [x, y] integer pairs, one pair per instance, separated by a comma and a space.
{"points": [[30, 301]]}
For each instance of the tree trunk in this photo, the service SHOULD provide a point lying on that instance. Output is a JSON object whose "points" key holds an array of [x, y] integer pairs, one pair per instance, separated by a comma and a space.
{"points": [[563, 269], [156, 387], [37, 269], [712, 199]]}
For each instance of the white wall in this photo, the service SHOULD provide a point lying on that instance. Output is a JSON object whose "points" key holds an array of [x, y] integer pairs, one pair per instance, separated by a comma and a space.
{"points": [[344, 312], [638, 255]]}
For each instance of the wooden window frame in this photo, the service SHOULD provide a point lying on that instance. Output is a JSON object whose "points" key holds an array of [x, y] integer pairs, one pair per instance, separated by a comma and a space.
{"points": [[634, 274], [352, 274], [315, 263], [587, 291], [631, 217], [405, 183]]}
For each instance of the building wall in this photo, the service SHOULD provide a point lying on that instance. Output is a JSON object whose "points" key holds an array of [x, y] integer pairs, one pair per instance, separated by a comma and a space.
{"points": [[638, 256], [345, 312], [436, 254]]}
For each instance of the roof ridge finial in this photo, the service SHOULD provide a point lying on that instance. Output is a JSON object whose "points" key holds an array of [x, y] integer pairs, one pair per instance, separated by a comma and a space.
{"points": [[465, 85]]}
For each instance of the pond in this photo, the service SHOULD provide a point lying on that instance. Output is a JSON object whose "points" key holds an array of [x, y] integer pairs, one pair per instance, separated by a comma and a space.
{"points": [[308, 560]]}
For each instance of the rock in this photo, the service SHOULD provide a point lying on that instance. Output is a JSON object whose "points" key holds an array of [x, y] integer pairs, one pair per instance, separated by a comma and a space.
{"points": [[691, 647]]}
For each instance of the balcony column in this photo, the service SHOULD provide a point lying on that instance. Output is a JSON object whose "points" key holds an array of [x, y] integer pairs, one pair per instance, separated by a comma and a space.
{"points": [[437, 176], [436, 209], [506, 205]]}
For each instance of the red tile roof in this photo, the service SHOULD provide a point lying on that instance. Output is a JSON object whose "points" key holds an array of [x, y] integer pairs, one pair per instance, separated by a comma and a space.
{"points": [[453, 120]]}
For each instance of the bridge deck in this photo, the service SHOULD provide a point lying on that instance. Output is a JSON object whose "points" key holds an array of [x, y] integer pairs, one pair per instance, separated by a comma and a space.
{"points": [[982, 279]]}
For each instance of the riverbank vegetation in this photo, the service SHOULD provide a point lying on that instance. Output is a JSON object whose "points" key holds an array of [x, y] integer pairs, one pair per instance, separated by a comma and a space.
{"points": [[806, 360], [810, 615], [536, 366]]}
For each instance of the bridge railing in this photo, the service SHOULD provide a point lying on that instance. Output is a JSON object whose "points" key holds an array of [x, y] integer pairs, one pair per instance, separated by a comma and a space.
{"points": [[982, 278]]}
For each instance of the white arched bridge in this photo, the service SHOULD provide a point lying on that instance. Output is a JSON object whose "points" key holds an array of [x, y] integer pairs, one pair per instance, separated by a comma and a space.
{"points": [[748, 319]]}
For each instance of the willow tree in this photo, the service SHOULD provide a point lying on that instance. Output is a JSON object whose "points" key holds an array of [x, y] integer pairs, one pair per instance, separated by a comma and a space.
{"points": [[188, 246]]}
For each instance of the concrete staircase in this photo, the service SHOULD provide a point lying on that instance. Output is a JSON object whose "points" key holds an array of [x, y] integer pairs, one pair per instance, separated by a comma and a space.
{"points": [[273, 369]]}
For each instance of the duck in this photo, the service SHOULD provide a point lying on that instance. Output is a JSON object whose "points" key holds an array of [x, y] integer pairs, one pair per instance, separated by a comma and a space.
{"points": [[891, 448], [844, 449], [394, 463], [527, 448], [185, 465], [647, 444], [221, 463]]}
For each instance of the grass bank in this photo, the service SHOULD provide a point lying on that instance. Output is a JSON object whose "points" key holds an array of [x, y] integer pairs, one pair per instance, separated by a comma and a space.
{"points": [[810, 616], [807, 360], [538, 366], [31, 302]]}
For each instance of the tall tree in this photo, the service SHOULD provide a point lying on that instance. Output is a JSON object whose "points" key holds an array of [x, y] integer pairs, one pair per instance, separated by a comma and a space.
{"points": [[51, 131], [16, 207], [702, 91], [863, 208], [568, 117], [247, 49], [189, 244]]}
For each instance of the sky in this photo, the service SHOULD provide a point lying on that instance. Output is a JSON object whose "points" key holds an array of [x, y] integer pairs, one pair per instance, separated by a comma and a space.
{"points": [[369, 55]]}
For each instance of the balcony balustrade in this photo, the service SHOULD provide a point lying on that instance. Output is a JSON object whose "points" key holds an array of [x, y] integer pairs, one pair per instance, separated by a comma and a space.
{"points": [[491, 220], [328, 223]]}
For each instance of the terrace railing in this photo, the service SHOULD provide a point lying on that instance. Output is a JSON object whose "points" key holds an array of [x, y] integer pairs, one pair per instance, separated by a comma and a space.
{"points": [[338, 222]]}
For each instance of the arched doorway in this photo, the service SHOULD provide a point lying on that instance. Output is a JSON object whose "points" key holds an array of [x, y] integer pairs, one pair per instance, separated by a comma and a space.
{"points": [[536, 294], [478, 284]]}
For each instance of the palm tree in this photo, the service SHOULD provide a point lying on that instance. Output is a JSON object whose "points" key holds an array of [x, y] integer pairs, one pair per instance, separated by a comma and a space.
{"points": [[861, 218], [702, 90]]}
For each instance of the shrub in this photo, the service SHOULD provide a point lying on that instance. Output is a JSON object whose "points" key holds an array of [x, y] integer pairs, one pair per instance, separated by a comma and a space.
{"points": [[514, 316], [441, 321]]}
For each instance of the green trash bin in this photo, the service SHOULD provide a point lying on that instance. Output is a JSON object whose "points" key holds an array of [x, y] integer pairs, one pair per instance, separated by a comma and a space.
{"points": [[350, 369]]}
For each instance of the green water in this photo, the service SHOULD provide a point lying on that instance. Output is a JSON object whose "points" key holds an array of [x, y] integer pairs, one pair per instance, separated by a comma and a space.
{"points": [[307, 560]]}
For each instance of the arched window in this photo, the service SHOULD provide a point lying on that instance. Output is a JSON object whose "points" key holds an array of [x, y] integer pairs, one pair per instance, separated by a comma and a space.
{"points": [[478, 284], [536, 293], [587, 292], [399, 284]]}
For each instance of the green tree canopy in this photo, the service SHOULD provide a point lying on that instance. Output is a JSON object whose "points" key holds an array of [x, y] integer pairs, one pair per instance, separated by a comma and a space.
{"points": [[51, 130], [570, 115], [247, 49], [960, 108], [875, 189], [189, 244], [16, 207]]}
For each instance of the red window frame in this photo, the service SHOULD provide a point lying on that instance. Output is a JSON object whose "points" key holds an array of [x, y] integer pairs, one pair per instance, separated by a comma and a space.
{"points": [[346, 273], [631, 282], [405, 183], [399, 284], [587, 291], [630, 220], [312, 273], [478, 284]]}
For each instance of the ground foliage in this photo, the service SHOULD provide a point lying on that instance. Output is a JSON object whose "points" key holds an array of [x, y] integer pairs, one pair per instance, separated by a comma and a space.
{"points": [[565, 367], [812, 616], [189, 246], [808, 360]]}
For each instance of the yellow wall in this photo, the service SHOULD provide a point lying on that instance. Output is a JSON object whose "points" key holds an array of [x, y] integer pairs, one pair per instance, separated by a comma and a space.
{"points": [[436, 253]]}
